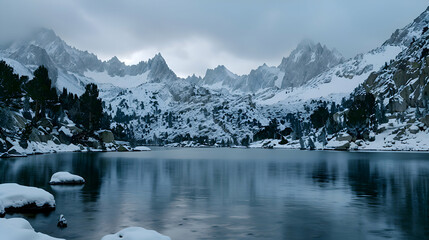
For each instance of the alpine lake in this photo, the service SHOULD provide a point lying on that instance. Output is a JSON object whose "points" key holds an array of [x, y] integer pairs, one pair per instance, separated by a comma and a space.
{"points": [[225, 193]]}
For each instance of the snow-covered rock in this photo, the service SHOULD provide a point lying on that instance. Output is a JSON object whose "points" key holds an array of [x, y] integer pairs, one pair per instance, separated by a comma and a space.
{"points": [[338, 145], [62, 222], [20, 229], [142, 148], [136, 233], [66, 178], [66, 131], [15, 197], [106, 136]]}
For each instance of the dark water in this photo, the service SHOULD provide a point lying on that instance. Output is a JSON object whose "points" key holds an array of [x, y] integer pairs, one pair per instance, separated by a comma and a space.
{"points": [[234, 193]]}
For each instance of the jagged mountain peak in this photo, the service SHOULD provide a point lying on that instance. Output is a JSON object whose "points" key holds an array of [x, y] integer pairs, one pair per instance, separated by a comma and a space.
{"points": [[220, 69], [70, 59], [35, 55], [114, 59], [46, 35], [157, 59], [219, 74], [41, 37], [307, 61]]}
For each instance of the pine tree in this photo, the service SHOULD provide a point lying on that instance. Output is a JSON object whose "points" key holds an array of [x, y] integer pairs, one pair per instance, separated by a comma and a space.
{"points": [[319, 117], [41, 91], [361, 115], [10, 85], [91, 107], [334, 108]]}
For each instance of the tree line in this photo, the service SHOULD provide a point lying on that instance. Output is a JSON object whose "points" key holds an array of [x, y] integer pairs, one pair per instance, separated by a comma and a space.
{"points": [[39, 99]]}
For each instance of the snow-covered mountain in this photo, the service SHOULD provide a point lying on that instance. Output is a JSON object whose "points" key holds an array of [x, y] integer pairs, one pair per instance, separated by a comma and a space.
{"points": [[305, 62], [336, 82], [156, 106], [44, 47], [404, 82]]}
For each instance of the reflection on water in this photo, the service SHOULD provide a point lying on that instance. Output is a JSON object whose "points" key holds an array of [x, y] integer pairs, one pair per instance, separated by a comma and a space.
{"points": [[234, 193]]}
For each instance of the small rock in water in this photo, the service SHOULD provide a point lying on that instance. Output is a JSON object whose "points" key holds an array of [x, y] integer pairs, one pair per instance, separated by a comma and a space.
{"points": [[62, 222]]}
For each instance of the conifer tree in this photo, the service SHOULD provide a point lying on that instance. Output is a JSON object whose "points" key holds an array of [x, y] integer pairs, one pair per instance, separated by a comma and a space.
{"points": [[41, 91], [10, 85], [91, 107]]}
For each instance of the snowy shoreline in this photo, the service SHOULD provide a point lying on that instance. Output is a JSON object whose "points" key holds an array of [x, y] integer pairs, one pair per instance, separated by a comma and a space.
{"points": [[250, 147], [47, 148]]}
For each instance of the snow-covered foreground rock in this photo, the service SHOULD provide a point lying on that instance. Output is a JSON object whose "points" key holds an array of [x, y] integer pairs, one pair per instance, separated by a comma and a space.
{"points": [[136, 233], [142, 148], [20, 229], [15, 197], [66, 178]]}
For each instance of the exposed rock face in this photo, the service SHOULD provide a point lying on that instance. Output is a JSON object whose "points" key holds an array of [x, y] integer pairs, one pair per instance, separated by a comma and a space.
{"points": [[344, 137], [64, 138], [343, 147], [425, 120], [403, 83], [44, 47], [220, 75], [34, 55], [306, 62], [106, 136], [123, 148]]}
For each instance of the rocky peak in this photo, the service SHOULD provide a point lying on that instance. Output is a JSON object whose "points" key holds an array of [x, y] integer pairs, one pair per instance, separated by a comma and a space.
{"points": [[158, 59], [37, 56], [194, 79], [115, 67], [45, 36], [114, 61], [157, 62], [306, 62], [159, 70], [219, 74]]}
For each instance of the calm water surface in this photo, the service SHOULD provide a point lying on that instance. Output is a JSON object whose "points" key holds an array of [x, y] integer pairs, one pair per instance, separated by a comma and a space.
{"points": [[234, 193]]}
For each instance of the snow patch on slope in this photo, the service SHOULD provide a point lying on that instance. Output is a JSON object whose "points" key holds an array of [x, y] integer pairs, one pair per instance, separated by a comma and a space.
{"points": [[338, 82], [118, 81]]}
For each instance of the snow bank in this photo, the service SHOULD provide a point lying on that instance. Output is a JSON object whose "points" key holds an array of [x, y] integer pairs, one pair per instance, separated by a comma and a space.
{"points": [[20, 229], [136, 233], [142, 148], [66, 178], [39, 147], [333, 144], [66, 131], [14, 196]]}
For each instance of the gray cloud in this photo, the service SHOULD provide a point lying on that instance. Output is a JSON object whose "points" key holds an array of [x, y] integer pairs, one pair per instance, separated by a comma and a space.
{"points": [[194, 35]]}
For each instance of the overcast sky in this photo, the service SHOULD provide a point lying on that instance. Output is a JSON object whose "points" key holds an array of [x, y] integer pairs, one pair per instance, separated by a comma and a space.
{"points": [[194, 35]]}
